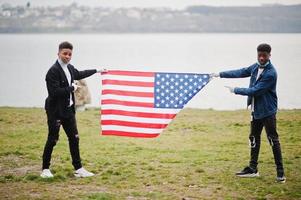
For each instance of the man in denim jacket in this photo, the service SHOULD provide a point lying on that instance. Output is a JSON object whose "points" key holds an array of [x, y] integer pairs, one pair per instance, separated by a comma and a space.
{"points": [[262, 98]]}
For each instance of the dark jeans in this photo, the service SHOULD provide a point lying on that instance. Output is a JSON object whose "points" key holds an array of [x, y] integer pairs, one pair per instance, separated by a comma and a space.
{"points": [[69, 125], [269, 123]]}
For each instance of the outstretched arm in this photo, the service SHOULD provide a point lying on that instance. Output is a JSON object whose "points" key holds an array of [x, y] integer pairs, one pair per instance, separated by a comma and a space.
{"points": [[83, 74], [239, 73], [86, 73], [261, 87]]}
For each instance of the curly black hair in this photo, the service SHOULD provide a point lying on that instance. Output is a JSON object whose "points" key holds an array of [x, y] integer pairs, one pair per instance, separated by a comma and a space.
{"points": [[264, 48], [65, 45]]}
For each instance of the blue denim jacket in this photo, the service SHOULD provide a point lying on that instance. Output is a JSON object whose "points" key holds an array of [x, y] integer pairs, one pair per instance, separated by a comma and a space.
{"points": [[263, 89]]}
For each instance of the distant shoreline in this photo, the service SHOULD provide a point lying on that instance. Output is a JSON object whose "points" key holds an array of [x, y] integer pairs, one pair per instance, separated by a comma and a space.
{"points": [[194, 19]]}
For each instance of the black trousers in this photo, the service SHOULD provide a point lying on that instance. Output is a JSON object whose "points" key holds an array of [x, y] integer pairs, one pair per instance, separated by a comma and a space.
{"points": [[69, 125], [269, 123]]}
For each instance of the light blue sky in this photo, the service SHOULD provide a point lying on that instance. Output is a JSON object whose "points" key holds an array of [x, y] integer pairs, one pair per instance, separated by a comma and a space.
{"points": [[177, 4]]}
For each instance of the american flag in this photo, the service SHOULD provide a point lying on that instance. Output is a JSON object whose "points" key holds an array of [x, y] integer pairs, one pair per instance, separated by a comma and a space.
{"points": [[142, 104]]}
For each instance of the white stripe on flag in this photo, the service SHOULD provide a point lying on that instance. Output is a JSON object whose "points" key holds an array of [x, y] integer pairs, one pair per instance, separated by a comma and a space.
{"points": [[131, 129], [127, 88], [128, 78], [140, 109], [135, 119], [127, 98]]}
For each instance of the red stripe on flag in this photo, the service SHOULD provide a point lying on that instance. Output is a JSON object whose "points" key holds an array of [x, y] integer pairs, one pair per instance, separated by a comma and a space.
{"points": [[129, 134], [128, 83], [127, 103], [137, 114], [133, 124], [128, 93], [131, 73]]}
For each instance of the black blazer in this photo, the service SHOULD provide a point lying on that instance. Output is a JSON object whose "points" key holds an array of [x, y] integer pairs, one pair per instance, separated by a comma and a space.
{"points": [[57, 102]]}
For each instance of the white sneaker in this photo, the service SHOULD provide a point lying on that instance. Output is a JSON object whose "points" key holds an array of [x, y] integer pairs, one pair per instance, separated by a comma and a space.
{"points": [[46, 173], [82, 172]]}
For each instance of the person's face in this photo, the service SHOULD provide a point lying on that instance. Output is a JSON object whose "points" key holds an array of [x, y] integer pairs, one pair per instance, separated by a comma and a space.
{"points": [[65, 55], [263, 57]]}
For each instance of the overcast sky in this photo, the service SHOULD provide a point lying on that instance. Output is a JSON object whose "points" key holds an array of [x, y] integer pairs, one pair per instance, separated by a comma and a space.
{"points": [[177, 4]]}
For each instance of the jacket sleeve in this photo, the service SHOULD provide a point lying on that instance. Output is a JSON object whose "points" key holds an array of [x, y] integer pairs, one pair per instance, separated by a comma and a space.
{"points": [[78, 75], [239, 73], [263, 85], [53, 86]]}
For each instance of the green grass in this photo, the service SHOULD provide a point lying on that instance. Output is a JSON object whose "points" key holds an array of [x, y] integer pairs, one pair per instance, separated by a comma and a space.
{"points": [[195, 158]]}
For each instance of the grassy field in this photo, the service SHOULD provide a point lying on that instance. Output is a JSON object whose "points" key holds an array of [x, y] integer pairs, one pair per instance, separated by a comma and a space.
{"points": [[195, 158]]}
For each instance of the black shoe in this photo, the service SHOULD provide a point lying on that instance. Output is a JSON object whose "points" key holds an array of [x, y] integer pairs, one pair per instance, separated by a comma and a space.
{"points": [[248, 172], [281, 179]]}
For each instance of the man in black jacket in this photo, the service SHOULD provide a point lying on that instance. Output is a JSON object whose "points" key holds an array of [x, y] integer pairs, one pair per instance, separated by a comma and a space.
{"points": [[60, 110]]}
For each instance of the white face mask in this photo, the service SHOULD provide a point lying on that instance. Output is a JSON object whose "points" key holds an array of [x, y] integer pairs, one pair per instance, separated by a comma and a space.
{"points": [[266, 64]]}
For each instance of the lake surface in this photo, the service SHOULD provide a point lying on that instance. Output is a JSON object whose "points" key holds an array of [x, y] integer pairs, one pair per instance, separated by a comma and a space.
{"points": [[25, 59]]}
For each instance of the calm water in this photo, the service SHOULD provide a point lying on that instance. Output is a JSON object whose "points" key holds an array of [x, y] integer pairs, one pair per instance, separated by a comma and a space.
{"points": [[25, 59]]}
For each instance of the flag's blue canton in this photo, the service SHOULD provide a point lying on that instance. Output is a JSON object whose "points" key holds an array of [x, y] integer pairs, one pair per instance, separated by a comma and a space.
{"points": [[174, 90]]}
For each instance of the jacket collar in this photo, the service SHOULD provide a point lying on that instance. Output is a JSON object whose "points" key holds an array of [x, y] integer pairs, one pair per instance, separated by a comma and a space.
{"points": [[62, 64], [267, 66], [62, 73]]}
